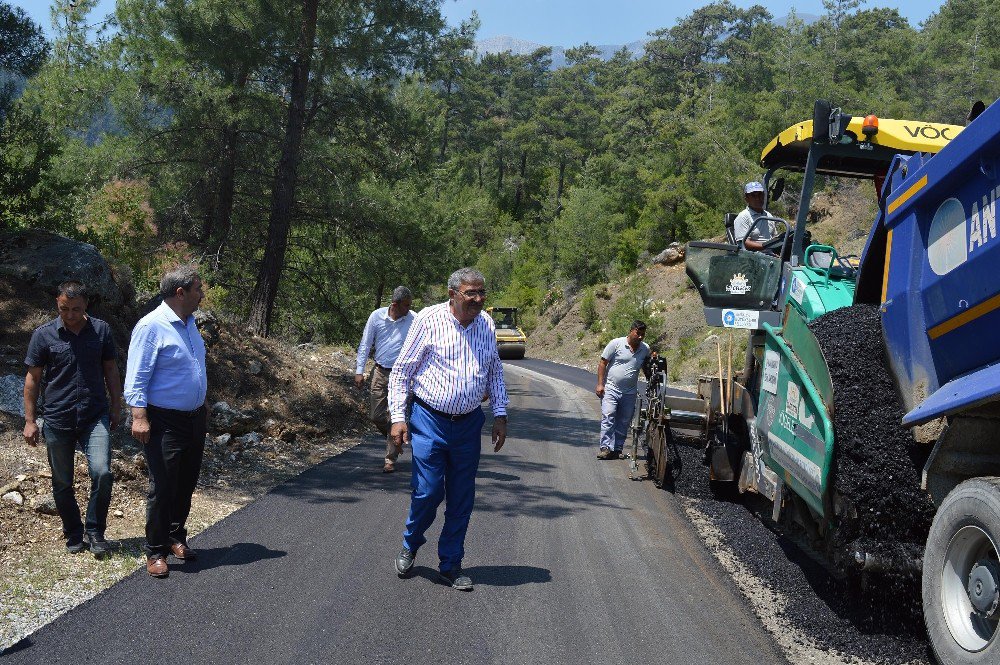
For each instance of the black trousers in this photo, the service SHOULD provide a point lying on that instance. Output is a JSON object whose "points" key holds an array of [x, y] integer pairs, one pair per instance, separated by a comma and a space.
{"points": [[173, 455]]}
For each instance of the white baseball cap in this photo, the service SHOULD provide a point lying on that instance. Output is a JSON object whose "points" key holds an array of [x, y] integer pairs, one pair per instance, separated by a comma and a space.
{"points": [[753, 187]]}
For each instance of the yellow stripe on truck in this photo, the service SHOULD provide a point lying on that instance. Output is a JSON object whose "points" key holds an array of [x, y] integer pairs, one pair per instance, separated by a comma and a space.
{"points": [[885, 269], [905, 196], [968, 315]]}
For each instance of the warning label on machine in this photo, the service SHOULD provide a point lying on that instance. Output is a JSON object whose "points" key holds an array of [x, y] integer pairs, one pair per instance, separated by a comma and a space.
{"points": [[769, 378], [792, 400]]}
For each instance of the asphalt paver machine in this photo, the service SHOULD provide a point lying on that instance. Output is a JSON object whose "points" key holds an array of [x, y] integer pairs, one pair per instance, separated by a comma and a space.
{"points": [[868, 406]]}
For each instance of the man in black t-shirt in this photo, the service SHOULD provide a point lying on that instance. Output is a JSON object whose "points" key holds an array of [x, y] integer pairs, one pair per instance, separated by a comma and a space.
{"points": [[75, 355]]}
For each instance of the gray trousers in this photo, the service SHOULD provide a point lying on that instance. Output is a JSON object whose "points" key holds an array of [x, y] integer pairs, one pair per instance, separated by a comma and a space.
{"points": [[616, 416]]}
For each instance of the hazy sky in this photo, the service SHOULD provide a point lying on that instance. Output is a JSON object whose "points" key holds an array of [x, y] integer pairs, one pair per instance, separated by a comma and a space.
{"points": [[573, 22]]}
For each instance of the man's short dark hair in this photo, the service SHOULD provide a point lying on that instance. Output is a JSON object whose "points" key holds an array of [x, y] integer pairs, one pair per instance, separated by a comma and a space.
{"points": [[181, 277], [638, 325], [73, 289], [401, 293]]}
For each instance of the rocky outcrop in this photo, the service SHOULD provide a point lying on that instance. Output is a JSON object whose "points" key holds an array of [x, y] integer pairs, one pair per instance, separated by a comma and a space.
{"points": [[47, 259], [42, 260], [12, 395], [674, 253]]}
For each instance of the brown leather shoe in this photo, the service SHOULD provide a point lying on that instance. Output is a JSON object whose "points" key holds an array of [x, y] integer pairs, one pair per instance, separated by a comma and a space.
{"points": [[157, 566], [388, 467], [182, 551]]}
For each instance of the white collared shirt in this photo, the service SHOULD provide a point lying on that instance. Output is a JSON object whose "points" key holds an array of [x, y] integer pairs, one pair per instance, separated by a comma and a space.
{"points": [[166, 362], [447, 365], [385, 335]]}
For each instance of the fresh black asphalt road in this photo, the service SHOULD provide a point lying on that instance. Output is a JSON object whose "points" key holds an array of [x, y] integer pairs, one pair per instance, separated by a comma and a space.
{"points": [[572, 562]]}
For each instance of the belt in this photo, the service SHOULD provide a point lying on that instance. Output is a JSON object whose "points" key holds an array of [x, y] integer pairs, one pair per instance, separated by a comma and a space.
{"points": [[177, 412], [384, 369], [454, 417]]}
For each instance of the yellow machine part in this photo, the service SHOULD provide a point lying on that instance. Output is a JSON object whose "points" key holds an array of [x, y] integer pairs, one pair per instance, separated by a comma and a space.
{"points": [[907, 136]]}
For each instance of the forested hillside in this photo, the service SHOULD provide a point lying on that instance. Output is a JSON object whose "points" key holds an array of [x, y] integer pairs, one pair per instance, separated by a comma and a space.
{"points": [[313, 155]]}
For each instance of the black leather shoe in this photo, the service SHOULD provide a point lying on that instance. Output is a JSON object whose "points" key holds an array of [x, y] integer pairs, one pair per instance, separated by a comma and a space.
{"points": [[404, 562], [456, 579], [99, 547], [75, 544]]}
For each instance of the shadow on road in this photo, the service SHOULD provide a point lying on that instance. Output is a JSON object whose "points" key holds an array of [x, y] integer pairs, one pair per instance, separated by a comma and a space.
{"points": [[239, 554], [21, 645], [508, 575], [492, 575], [509, 481]]}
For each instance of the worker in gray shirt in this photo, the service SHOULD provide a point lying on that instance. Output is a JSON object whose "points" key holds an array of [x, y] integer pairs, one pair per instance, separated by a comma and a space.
{"points": [[753, 227], [617, 379]]}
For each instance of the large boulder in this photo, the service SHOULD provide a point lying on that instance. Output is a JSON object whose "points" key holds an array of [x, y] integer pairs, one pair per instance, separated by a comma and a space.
{"points": [[42, 260], [671, 255], [45, 260], [12, 395]]}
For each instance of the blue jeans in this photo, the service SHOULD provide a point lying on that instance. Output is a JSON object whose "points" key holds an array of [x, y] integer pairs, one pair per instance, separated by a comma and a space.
{"points": [[445, 462], [95, 441], [616, 416]]}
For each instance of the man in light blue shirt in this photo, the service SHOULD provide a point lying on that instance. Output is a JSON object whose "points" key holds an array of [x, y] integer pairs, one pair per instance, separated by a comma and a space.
{"points": [[384, 334], [165, 386], [617, 379]]}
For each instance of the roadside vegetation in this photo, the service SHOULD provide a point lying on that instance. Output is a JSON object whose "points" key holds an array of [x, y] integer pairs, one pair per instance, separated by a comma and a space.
{"points": [[313, 155]]}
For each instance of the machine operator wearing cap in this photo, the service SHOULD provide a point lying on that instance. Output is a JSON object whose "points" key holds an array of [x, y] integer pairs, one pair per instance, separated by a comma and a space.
{"points": [[749, 225]]}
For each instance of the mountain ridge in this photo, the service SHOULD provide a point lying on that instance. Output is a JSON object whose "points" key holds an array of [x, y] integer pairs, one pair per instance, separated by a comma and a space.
{"points": [[518, 46]]}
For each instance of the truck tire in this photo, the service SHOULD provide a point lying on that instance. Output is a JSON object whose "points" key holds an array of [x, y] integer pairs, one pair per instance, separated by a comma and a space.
{"points": [[960, 575]]}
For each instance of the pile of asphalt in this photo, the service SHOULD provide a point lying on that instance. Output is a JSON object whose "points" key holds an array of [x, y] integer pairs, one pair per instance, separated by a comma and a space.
{"points": [[878, 465], [878, 623]]}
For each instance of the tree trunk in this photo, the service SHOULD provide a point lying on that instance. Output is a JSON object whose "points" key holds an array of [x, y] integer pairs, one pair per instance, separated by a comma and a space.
{"points": [[219, 219], [227, 186], [380, 292], [499, 174], [519, 192], [283, 195], [447, 121], [562, 181]]}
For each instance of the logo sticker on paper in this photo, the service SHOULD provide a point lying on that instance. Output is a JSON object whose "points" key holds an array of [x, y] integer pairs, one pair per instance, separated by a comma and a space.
{"points": [[738, 285], [797, 290], [792, 400], [740, 318], [769, 380]]}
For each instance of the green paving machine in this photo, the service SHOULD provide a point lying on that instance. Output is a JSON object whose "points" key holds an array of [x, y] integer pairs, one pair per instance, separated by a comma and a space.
{"points": [[867, 409]]}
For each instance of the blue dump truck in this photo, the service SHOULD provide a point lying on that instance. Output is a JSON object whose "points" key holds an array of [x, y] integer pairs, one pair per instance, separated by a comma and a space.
{"points": [[868, 406]]}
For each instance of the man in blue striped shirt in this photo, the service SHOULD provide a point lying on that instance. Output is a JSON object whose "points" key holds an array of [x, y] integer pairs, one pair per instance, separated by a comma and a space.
{"points": [[383, 337], [165, 386], [449, 362]]}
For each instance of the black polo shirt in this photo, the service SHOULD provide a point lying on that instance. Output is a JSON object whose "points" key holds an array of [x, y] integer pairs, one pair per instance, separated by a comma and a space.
{"points": [[73, 375]]}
